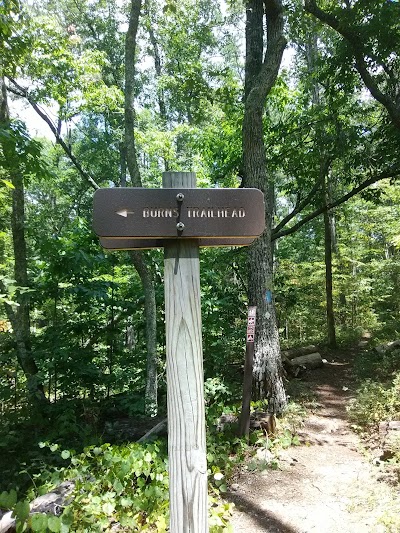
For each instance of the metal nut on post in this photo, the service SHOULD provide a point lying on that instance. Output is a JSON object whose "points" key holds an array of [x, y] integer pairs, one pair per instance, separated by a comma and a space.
{"points": [[180, 226], [180, 196]]}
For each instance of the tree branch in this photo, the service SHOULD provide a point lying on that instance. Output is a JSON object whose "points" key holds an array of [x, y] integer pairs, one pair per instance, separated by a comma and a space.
{"points": [[303, 204], [117, 319], [357, 47], [21, 91], [391, 173], [262, 83]]}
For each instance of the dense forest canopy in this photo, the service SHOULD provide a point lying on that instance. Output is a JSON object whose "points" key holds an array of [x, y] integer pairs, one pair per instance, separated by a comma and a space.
{"points": [[325, 139], [128, 90]]}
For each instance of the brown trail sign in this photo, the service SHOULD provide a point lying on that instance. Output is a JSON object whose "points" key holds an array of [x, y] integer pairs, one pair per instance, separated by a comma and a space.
{"points": [[181, 218], [216, 216]]}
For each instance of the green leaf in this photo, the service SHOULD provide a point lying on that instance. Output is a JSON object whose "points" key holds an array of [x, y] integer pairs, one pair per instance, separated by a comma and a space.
{"points": [[161, 524], [54, 524], [8, 184], [39, 522], [65, 454], [21, 527], [67, 518], [108, 508], [118, 487], [126, 502], [21, 510], [8, 499]]}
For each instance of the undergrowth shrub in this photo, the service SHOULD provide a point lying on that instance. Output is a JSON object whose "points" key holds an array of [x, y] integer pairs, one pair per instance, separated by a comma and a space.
{"points": [[371, 364], [123, 487], [376, 402]]}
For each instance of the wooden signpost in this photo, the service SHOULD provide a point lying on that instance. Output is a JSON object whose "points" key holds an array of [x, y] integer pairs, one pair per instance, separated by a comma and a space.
{"points": [[244, 422], [181, 218]]}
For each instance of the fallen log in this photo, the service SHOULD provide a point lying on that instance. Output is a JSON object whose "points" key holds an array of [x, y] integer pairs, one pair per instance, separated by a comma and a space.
{"points": [[7, 523], [388, 347], [51, 503], [297, 352], [309, 361], [258, 420], [290, 370], [161, 427]]}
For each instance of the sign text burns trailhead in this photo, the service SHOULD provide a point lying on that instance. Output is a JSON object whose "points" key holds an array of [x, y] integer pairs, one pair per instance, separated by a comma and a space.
{"points": [[144, 218]]}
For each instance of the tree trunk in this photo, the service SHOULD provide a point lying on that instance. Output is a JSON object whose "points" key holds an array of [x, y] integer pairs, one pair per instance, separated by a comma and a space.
{"points": [[147, 280], [260, 75], [138, 258], [149, 8], [19, 318], [150, 24], [328, 246], [267, 368], [311, 52], [130, 51], [21, 323]]}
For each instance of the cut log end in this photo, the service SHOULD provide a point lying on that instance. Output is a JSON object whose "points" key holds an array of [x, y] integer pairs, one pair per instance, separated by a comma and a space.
{"points": [[309, 361], [297, 352]]}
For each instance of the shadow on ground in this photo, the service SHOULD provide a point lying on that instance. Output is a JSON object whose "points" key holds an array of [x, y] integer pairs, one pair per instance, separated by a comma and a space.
{"points": [[260, 517]]}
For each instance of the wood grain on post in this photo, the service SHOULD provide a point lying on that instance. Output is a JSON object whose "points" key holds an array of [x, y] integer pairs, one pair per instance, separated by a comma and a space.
{"points": [[185, 379]]}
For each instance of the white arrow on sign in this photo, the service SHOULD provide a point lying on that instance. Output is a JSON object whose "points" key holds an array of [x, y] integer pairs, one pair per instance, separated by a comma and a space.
{"points": [[124, 213]]}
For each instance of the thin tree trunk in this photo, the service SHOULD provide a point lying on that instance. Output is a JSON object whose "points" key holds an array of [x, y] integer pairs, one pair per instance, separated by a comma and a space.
{"points": [[260, 75], [157, 61], [149, 8], [138, 258], [328, 247], [130, 52], [20, 317], [324, 178], [311, 53], [147, 279], [111, 340]]}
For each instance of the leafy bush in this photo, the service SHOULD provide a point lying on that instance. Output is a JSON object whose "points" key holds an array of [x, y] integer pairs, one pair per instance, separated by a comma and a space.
{"points": [[123, 486], [381, 366], [376, 402]]}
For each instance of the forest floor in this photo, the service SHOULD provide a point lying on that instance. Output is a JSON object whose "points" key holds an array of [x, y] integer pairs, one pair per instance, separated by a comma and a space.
{"points": [[325, 485]]}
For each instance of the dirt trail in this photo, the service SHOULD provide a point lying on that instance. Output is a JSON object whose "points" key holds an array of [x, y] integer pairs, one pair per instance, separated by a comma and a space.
{"points": [[319, 482]]}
